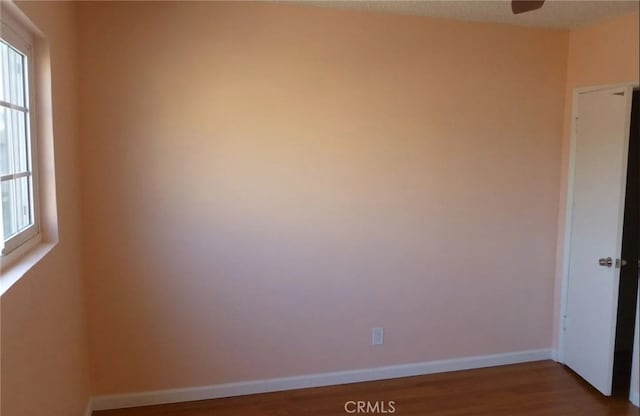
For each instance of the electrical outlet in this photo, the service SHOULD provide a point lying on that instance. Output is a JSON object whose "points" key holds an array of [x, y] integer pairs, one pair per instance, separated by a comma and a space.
{"points": [[377, 336]]}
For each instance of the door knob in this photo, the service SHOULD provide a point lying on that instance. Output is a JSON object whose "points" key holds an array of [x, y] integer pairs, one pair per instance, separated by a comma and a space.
{"points": [[620, 263], [608, 262]]}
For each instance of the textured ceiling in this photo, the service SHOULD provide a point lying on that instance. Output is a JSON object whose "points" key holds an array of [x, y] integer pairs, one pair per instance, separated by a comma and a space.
{"points": [[554, 13]]}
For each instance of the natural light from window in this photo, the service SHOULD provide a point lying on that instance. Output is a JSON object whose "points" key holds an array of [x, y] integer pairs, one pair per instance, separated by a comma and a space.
{"points": [[19, 219]]}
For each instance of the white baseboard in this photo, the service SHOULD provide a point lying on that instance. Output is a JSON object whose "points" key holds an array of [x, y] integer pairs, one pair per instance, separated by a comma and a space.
{"points": [[635, 398], [216, 391]]}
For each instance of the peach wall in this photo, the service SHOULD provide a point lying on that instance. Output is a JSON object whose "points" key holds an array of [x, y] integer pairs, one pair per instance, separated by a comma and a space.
{"points": [[44, 338], [603, 53], [265, 183]]}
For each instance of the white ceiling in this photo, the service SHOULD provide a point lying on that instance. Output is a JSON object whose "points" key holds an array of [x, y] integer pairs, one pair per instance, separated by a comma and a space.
{"points": [[554, 13]]}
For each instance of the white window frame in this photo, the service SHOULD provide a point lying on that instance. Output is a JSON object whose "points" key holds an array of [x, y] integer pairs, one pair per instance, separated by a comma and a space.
{"points": [[19, 38]]}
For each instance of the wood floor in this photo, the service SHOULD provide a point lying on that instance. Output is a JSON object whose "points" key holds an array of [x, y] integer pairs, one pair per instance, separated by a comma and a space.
{"points": [[540, 388]]}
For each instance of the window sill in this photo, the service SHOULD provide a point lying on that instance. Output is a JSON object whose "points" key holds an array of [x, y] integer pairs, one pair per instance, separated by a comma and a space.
{"points": [[13, 268]]}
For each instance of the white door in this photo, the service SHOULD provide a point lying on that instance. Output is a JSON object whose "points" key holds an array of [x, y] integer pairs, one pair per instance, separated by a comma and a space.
{"points": [[600, 151]]}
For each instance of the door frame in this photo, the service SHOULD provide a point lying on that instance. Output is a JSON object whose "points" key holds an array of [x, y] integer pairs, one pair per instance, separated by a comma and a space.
{"points": [[566, 235]]}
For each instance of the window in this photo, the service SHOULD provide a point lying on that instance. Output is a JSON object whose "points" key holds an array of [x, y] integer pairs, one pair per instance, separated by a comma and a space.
{"points": [[18, 184]]}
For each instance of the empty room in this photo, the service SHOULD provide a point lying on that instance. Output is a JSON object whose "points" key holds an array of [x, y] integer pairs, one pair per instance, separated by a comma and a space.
{"points": [[216, 208]]}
